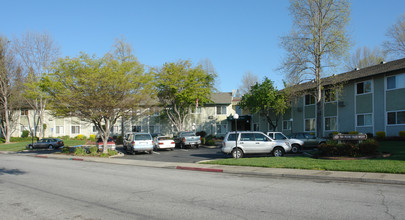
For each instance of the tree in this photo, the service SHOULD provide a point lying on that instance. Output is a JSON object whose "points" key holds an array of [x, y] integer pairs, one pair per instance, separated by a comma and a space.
{"points": [[248, 80], [396, 34], [265, 99], [317, 42], [98, 90], [365, 57], [209, 68], [36, 51], [179, 86], [10, 81]]}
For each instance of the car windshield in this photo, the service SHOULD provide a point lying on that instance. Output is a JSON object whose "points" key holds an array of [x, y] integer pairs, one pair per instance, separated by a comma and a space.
{"points": [[279, 136], [142, 137]]}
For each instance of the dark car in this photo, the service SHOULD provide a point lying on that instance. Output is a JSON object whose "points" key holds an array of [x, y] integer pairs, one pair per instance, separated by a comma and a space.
{"points": [[51, 143], [309, 139]]}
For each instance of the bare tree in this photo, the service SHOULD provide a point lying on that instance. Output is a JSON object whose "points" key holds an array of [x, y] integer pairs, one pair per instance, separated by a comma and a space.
{"points": [[209, 68], [316, 43], [364, 57], [248, 80], [36, 51], [396, 44], [9, 89]]}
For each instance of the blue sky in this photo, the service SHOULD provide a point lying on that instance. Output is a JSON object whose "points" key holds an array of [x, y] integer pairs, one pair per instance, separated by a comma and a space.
{"points": [[236, 35]]}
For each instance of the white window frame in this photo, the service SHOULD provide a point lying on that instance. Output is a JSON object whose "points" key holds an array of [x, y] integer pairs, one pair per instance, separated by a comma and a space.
{"points": [[364, 114], [58, 130], [223, 108], [330, 117], [75, 129], [397, 84], [305, 100], [396, 117], [364, 93], [288, 125], [314, 124]]}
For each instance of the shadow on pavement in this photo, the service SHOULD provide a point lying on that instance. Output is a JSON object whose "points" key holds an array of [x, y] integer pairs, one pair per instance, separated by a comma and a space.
{"points": [[11, 172]]}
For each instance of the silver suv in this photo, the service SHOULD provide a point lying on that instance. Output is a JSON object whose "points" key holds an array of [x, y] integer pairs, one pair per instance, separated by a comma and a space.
{"points": [[253, 142], [138, 142]]}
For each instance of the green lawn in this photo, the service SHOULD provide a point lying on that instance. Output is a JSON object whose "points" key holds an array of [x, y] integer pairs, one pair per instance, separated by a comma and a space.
{"points": [[393, 164], [19, 146]]}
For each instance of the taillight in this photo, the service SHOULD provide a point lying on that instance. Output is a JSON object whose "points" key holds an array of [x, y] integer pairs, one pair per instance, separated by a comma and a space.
{"points": [[200, 138], [184, 139], [160, 143], [172, 142], [133, 142]]}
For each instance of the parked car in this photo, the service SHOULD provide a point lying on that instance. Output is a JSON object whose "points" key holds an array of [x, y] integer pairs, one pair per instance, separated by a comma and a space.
{"points": [[163, 142], [252, 142], [110, 144], [187, 138], [309, 139], [51, 143], [138, 142], [296, 145]]}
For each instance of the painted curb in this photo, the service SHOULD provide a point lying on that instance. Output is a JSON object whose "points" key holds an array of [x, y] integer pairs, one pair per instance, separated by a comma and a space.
{"points": [[79, 159], [200, 169], [41, 156]]}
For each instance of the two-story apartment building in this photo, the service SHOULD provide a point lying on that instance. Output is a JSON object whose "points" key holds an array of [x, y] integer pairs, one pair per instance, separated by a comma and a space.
{"points": [[366, 100]]}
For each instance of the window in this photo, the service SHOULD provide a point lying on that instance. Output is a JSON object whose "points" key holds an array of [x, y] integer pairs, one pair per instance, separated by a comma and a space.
{"points": [[330, 96], [363, 87], [279, 136], [75, 129], [221, 110], [364, 120], [330, 124], [24, 111], [136, 128], [154, 129], [286, 125], [255, 127], [114, 129], [231, 137], [309, 99], [94, 130], [260, 137], [310, 124], [246, 137], [396, 82], [60, 130], [394, 118], [221, 129]]}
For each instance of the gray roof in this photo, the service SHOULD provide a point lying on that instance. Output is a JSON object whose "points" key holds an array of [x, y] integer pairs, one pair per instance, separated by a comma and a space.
{"points": [[221, 98], [383, 68]]}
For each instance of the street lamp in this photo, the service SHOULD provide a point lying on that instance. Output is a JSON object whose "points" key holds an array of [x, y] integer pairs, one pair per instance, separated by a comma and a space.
{"points": [[236, 116], [32, 137]]}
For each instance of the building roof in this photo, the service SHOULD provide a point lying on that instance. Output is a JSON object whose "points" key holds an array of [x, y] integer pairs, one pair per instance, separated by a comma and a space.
{"points": [[382, 68], [221, 98]]}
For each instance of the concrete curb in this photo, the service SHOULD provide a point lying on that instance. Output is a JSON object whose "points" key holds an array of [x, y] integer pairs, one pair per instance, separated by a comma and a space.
{"points": [[361, 177]]}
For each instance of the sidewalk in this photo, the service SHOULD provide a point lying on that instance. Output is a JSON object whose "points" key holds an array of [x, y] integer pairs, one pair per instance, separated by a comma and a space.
{"points": [[365, 177]]}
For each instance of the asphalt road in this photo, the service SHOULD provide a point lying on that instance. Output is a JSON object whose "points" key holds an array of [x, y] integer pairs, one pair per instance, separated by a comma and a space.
{"points": [[40, 188]]}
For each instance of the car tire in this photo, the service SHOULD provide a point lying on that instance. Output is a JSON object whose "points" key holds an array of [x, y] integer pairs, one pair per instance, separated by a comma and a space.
{"points": [[295, 148], [237, 153], [151, 152], [50, 147], [30, 147], [278, 152]]}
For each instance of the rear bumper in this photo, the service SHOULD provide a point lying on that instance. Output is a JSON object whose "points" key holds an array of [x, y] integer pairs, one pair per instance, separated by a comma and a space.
{"points": [[143, 147]]}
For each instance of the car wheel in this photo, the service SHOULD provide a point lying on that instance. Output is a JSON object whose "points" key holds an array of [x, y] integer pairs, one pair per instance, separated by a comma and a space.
{"points": [[50, 147], [151, 152], [295, 148], [30, 147], [237, 153], [278, 152], [197, 146]]}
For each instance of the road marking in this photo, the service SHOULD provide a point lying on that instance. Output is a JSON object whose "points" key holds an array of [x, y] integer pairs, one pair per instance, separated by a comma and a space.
{"points": [[183, 150], [156, 152]]}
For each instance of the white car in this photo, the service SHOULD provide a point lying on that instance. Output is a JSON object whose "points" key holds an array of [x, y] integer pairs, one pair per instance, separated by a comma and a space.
{"points": [[253, 142], [296, 145], [163, 142], [138, 142]]}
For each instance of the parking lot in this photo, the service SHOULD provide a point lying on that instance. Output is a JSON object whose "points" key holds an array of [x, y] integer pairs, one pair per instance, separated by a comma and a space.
{"points": [[178, 155]]}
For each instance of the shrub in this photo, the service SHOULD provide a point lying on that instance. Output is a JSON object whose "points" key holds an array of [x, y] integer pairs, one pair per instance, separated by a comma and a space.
{"points": [[201, 133], [209, 137], [104, 155], [210, 142], [93, 137], [25, 134], [369, 135], [202, 140], [79, 137], [93, 151], [368, 147], [353, 132], [80, 151], [112, 152], [65, 150], [402, 133], [380, 134]]}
